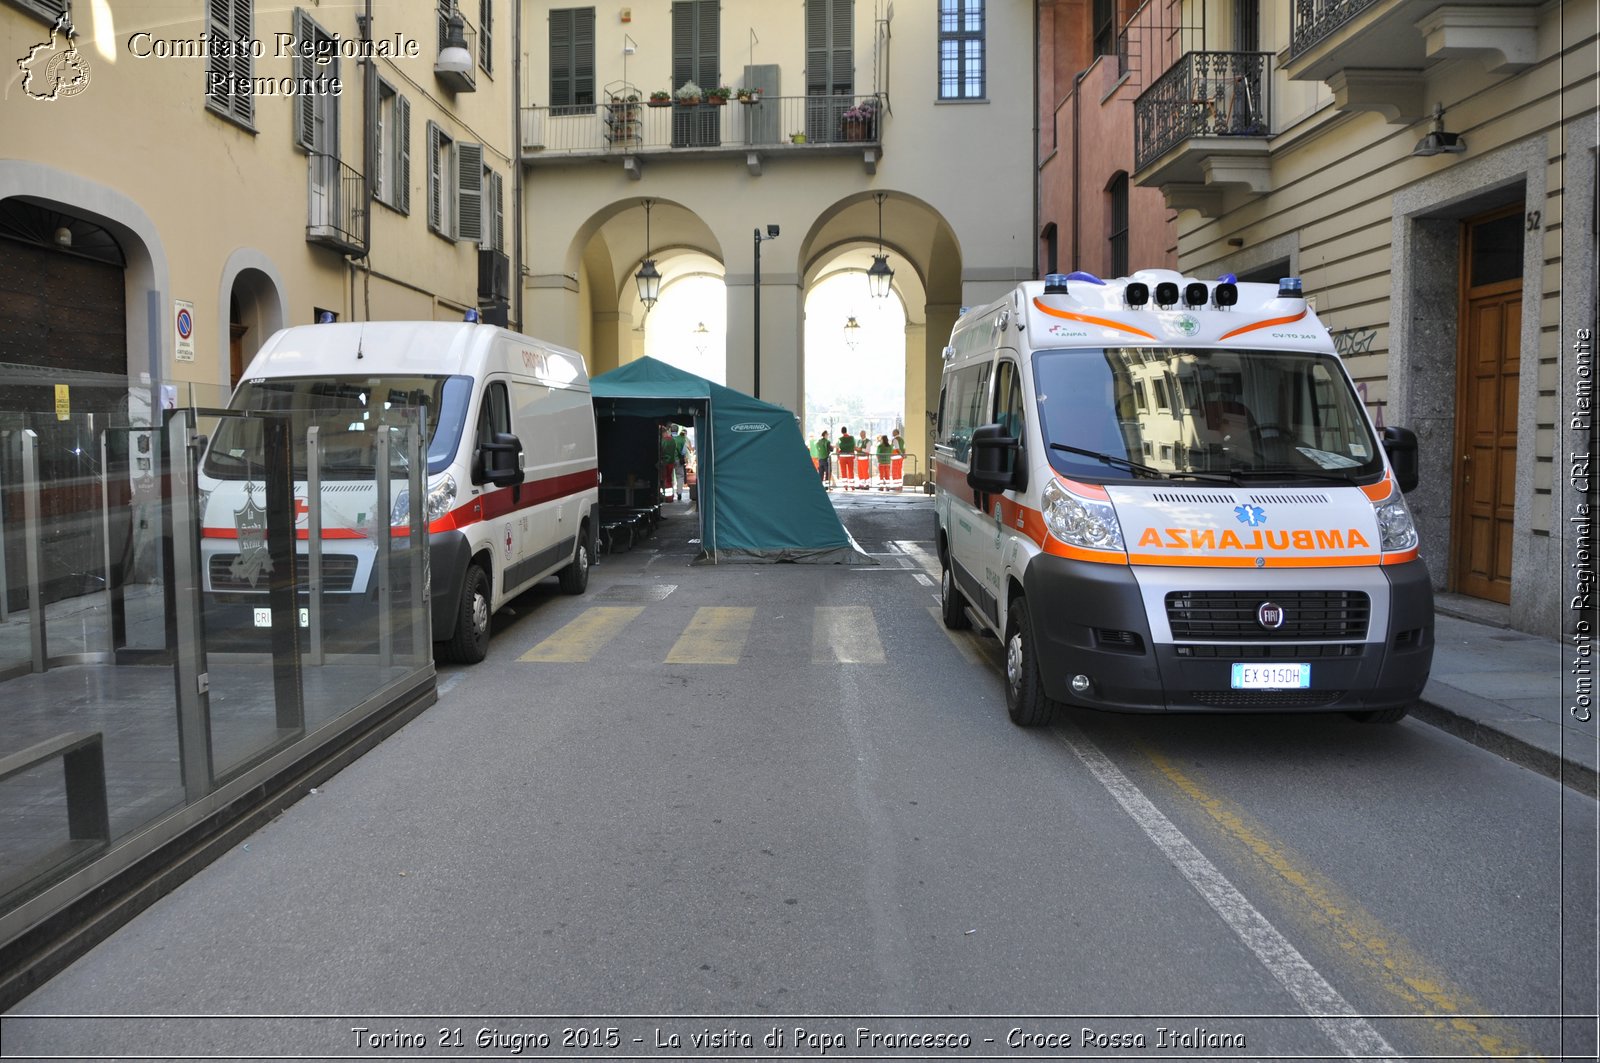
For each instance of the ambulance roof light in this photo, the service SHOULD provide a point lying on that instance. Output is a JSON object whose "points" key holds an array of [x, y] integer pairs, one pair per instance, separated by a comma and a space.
{"points": [[1290, 288], [1055, 284], [325, 318], [1080, 275], [1227, 278], [1137, 293], [1195, 294], [471, 317], [1166, 294]]}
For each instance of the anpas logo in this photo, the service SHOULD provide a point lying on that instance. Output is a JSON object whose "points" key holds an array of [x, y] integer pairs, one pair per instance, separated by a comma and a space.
{"points": [[1186, 325], [750, 426], [1253, 516]]}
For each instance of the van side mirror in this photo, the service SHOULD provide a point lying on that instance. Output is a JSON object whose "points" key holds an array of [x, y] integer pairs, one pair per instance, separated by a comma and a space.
{"points": [[502, 460], [1401, 446], [994, 463]]}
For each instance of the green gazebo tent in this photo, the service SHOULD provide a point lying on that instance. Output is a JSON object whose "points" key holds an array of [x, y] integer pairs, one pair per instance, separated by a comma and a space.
{"points": [[760, 498]]}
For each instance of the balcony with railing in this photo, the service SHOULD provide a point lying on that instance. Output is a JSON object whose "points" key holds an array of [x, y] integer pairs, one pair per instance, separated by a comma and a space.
{"points": [[629, 129], [1366, 49], [1203, 125], [336, 211]]}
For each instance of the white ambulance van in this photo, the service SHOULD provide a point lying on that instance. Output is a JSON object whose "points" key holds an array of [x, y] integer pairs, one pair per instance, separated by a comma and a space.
{"points": [[512, 479], [1163, 494]]}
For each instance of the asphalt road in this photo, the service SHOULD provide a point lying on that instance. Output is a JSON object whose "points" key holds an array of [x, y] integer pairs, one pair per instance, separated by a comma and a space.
{"points": [[778, 797]]}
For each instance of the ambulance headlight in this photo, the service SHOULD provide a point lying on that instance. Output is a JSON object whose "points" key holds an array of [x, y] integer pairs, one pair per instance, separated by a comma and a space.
{"points": [[441, 497], [1086, 522], [1396, 530]]}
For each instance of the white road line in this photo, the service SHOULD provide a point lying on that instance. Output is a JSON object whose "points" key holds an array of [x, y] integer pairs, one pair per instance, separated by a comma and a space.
{"points": [[922, 579], [1349, 1032]]}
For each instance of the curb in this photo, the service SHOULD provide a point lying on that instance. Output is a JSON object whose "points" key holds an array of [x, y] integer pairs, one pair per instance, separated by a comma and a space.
{"points": [[1568, 773]]}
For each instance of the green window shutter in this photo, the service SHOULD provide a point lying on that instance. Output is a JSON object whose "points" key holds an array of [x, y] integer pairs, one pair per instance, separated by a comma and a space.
{"points": [[572, 57], [494, 230], [561, 58], [469, 192], [841, 48], [435, 181], [817, 52], [696, 43], [402, 141], [304, 67]]}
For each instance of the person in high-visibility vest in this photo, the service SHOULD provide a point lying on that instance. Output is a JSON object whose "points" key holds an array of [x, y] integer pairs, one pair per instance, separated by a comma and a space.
{"points": [[897, 460], [847, 458], [885, 451], [821, 452]]}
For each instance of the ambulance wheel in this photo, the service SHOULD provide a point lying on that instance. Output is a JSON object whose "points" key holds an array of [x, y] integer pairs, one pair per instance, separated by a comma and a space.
{"points": [[470, 643], [1026, 702], [575, 577], [952, 610], [1393, 714]]}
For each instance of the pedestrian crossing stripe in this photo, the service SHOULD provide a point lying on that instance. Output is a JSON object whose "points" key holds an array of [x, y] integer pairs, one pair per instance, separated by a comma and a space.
{"points": [[716, 635], [840, 634], [581, 639]]}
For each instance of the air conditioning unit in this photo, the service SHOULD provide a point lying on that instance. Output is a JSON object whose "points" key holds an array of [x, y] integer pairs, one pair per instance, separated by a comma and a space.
{"points": [[494, 277]]}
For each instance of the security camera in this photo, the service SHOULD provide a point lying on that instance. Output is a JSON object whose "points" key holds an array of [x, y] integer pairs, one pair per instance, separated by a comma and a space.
{"points": [[772, 230]]}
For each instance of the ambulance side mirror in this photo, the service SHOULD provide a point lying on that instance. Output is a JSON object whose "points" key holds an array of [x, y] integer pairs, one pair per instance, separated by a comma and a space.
{"points": [[994, 463], [1401, 446], [502, 460]]}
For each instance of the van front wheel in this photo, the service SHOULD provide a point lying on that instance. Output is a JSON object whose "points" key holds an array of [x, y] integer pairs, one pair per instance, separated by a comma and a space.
{"points": [[575, 577], [470, 643], [1026, 702]]}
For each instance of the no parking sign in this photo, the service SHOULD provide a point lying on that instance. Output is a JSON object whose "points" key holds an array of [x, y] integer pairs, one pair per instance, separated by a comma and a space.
{"points": [[183, 328]]}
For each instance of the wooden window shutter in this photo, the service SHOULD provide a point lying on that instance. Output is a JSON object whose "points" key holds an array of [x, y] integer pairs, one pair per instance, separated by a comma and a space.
{"points": [[583, 56], [243, 99], [696, 42], [494, 225], [402, 141], [469, 192], [305, 67], [841, 48], [486, 35], [708, 44], [561, 58], [435, 181], [817, 52]]}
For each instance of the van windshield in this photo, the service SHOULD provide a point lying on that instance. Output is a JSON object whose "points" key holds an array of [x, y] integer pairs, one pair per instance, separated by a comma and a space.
{"points": [[1210, 413], [347, 411]]}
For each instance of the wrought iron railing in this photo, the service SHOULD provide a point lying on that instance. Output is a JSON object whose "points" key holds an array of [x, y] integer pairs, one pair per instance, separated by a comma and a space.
{"points": [[336, 204], [625, 127], [1204, 94], [1312, 20]]}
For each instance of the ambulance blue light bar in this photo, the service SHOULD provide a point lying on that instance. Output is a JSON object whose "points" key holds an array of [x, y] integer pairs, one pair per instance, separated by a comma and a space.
{"points": [[1290, 288], [472, 317]]}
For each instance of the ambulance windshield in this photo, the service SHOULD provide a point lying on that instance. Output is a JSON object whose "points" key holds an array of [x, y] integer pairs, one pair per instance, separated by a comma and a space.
{"points": [[346, 412], [1208, 413]]}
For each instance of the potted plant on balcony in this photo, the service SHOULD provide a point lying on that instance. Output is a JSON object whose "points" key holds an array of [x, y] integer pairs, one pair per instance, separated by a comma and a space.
{"points": [[718, 96], [688, 94], [797, 138], [661, 98], [749, 95], [859, 121]]}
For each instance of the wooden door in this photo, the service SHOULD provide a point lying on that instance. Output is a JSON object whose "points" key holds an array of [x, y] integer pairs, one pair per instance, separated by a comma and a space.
{"points": [[1486, 405]]}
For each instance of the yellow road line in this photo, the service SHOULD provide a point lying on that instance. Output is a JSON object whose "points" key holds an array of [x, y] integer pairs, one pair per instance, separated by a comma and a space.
{"points": [[581, 639], [845, 634], [716, 635], [1400, 971], [961, 640]]}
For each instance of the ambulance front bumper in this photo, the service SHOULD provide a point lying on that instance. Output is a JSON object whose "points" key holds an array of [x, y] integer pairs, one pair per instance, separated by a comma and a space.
{"points": [[1130, 631]]}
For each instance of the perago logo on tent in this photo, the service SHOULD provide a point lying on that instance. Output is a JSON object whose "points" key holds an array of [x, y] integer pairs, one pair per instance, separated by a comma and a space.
{"points": [[750, 426]]}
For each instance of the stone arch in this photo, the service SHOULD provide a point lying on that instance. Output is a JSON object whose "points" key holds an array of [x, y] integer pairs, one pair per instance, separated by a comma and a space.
{"points": [[251, 295]]}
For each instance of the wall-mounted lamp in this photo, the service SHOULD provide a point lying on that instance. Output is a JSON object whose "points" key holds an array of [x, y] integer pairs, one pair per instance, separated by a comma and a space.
{"points": [[1439, 142], [648, 278], [454, 57]]}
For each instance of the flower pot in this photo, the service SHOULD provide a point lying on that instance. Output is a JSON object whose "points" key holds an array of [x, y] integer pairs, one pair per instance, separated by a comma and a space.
{"points": [[797, 138], [716, 101], [692, 101], [660, 103]]}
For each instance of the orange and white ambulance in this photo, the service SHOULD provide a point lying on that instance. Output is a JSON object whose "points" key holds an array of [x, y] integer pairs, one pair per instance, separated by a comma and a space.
{"points": [[1163, 494], [511, 482]]}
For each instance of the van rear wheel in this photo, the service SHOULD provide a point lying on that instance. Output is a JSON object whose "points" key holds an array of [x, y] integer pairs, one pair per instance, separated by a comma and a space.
{"points": [[575, 577], [1026, 702], [952, 610], [470, 643]]}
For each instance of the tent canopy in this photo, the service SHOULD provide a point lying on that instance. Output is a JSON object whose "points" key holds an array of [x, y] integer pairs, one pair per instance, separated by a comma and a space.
{"points": [[760, 498]]}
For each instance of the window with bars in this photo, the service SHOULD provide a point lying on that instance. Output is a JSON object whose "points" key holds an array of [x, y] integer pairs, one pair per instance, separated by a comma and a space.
{"points": [[1118, 193], [572, 60], [229, 77], [961, 49]]}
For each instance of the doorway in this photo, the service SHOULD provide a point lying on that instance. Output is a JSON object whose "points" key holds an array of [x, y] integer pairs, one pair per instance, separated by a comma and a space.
{"points": [[1489, 361]]}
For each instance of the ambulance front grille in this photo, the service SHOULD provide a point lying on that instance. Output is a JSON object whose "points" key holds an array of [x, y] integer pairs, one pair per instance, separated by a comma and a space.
{"points": [[1307, 615], [338, 574], [1265, 699]]}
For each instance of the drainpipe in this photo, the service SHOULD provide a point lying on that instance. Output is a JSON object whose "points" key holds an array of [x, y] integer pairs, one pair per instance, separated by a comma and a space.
{"points": [[1077, 153], [516, 156], [369, 93], [1037, 14]]}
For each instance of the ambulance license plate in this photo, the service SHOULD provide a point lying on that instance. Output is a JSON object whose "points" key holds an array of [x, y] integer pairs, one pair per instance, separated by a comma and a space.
{"points": [[1271, 676]]}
